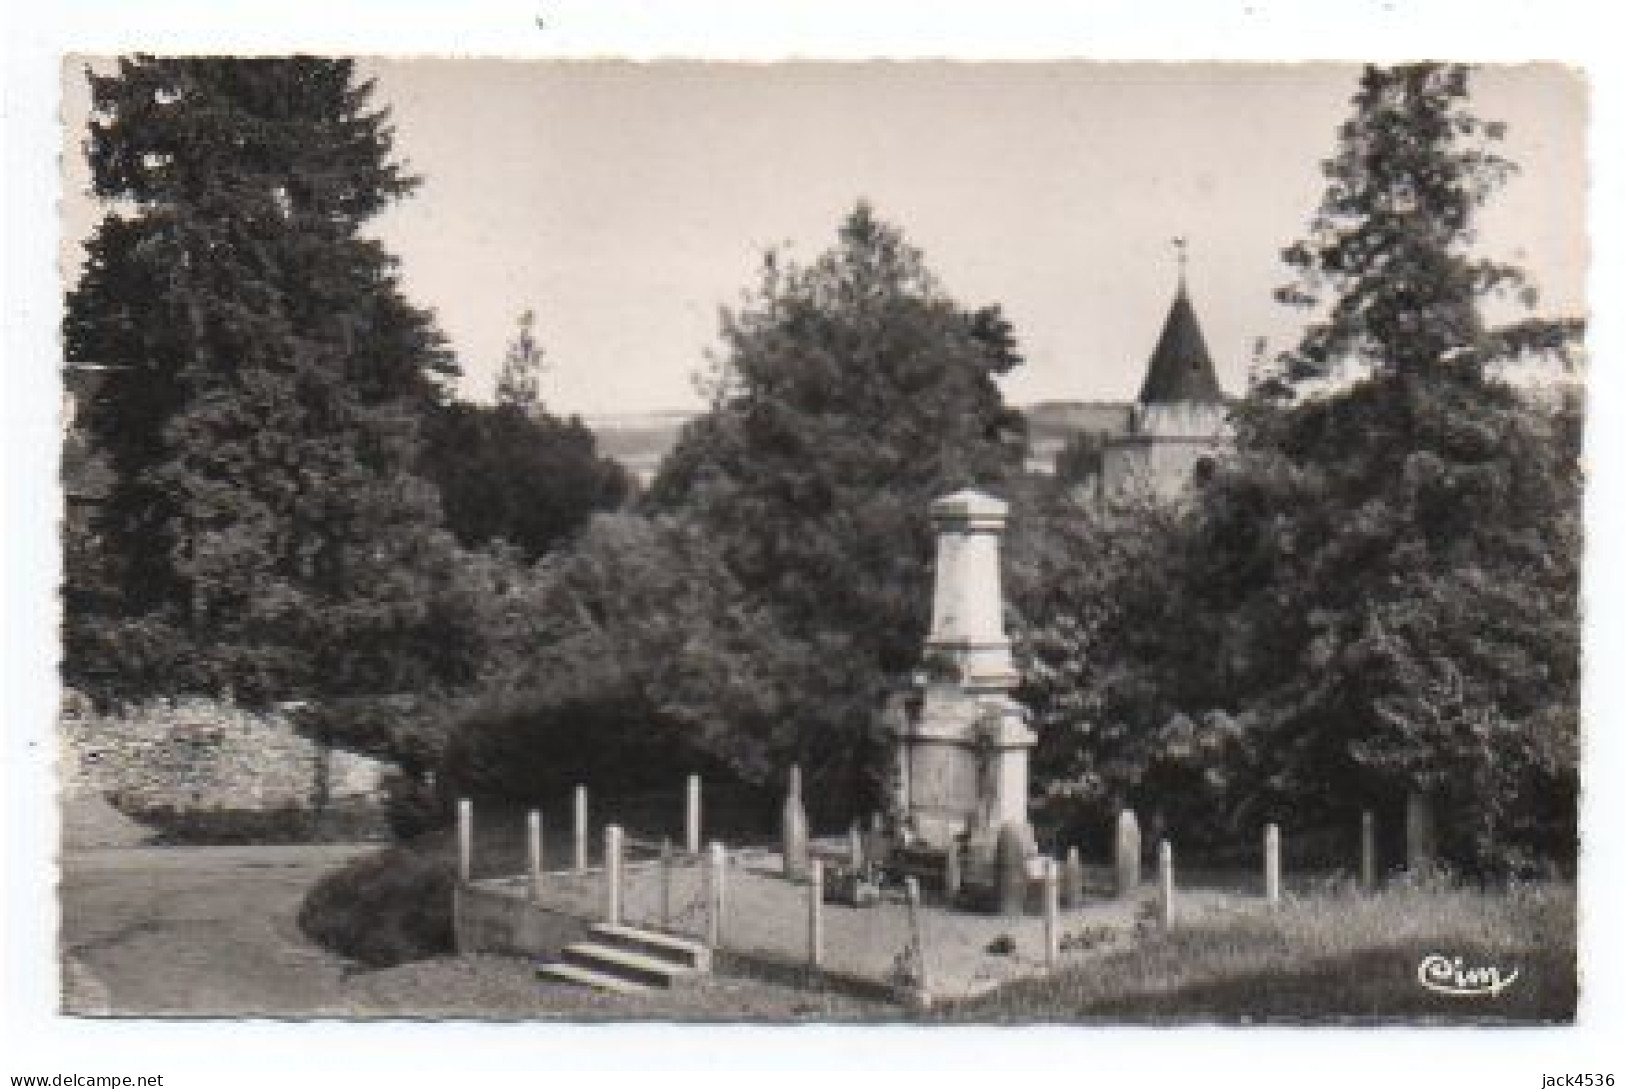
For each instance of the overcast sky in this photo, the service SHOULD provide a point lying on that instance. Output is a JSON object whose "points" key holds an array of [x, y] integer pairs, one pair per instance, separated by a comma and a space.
{"points": [[626, 203]]}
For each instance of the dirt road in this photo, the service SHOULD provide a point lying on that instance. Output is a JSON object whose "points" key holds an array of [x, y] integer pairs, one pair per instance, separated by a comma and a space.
{"points": [[197, 930], [211, 932]]}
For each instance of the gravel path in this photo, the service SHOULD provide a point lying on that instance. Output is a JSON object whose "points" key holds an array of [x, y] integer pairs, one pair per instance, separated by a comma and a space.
{"points": [[195, 930]]}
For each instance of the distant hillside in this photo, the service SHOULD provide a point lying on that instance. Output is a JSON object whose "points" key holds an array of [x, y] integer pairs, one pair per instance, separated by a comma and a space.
{"points": [[1051, 423], [638, 440]]}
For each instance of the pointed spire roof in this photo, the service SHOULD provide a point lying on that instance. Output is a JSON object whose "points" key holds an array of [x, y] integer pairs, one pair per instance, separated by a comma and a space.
{"points": [[1180, 368]]}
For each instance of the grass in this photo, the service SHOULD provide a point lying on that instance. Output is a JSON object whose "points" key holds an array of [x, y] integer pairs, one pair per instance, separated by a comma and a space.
{"points": [[507, 988], [1334, 955]]}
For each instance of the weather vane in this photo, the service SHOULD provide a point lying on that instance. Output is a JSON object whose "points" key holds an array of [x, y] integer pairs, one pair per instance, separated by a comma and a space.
{"points": [[1180, 243]]}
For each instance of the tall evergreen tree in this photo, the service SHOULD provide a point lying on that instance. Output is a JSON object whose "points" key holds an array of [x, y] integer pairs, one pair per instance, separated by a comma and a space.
{"points": [[265, 530], [1420, 538], [1388, 260], [519, 382]]}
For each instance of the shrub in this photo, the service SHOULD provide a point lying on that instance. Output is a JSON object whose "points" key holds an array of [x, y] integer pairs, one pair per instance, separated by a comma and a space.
{"points": [[384, 909], [412, 807], [284, 824]]}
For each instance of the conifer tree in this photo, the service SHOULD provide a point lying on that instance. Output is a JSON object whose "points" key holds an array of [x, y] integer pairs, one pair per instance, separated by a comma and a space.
{"points": [[519, 382], [849, 394], [265, 531], [1378, 594]]}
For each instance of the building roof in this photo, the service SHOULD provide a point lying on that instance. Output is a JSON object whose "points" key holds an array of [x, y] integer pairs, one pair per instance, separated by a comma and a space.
{"points": [[1180, 368]]}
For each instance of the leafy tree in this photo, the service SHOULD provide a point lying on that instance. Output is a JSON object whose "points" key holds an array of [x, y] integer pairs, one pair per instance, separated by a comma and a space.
{"points": [[849, 394], [513, 472], [265, 530], [527, 478], [1379, 593], [642, 649]]}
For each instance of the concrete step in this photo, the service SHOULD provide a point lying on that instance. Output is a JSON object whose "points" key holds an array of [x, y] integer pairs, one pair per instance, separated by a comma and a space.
{"points": [[636, 967], [588, 977], [652, 943]]}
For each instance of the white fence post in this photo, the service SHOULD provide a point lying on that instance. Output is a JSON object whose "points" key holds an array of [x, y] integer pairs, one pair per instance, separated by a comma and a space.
{"points": [[533, 843], [1052, 930], [716, 895], [581, 829], [1368, 851], [815, 916], [665, 882], [911, 889], [1165, 868], [691, 821], [465, 840], [1272, 864], [612, 874]]}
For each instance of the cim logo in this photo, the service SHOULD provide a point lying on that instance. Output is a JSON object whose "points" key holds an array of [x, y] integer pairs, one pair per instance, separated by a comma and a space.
{"points": [[1450, 976]]}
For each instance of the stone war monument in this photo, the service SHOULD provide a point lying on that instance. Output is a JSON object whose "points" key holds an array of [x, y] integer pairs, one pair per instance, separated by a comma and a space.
{"points": [[961, 741]]}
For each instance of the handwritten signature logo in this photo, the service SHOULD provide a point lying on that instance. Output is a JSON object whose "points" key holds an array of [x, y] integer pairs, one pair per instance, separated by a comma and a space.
{"points": [[1450, 976]]}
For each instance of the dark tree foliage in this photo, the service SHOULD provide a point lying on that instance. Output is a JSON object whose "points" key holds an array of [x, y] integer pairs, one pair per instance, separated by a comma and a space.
{"points": [[527, 478], [1082, 458], [1388, 253], [642, 659], [1424, 539], [1378, 594], [519, 382], [849, 394], [513, 472], [265, 531]]}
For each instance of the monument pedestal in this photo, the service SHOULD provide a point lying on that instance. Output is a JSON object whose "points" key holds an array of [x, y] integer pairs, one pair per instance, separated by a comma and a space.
{"points": [[964, 762]]}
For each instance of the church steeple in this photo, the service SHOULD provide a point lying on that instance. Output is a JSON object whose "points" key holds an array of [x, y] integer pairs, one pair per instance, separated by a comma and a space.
{"points": [[1181, 371]]}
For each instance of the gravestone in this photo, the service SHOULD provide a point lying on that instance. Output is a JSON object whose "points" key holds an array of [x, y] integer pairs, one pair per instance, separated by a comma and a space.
{"points": [[1421, 833], [962, 742]]}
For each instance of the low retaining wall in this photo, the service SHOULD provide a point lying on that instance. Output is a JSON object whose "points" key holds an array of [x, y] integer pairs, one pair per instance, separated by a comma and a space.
{"points": [[196, 755]]}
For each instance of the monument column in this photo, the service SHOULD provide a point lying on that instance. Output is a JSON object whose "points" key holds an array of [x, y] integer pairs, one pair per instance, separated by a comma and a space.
{"points": [[967, 609]]}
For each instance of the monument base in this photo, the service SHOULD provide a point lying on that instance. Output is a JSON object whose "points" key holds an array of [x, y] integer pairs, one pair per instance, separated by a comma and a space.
{"points": [[963, 766]]}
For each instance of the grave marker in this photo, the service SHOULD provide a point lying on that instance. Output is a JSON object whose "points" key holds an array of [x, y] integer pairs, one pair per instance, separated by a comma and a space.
{"points": [[1011, 861], [1072, 880], [1127, 855]]}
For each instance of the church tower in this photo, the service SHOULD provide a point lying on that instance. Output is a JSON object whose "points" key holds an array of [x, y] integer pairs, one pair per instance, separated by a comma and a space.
{"points": [[1179, 424]]}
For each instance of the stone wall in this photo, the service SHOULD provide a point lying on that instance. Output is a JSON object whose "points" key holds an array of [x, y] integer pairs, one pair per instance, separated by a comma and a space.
{"points": [[194, 754]]}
